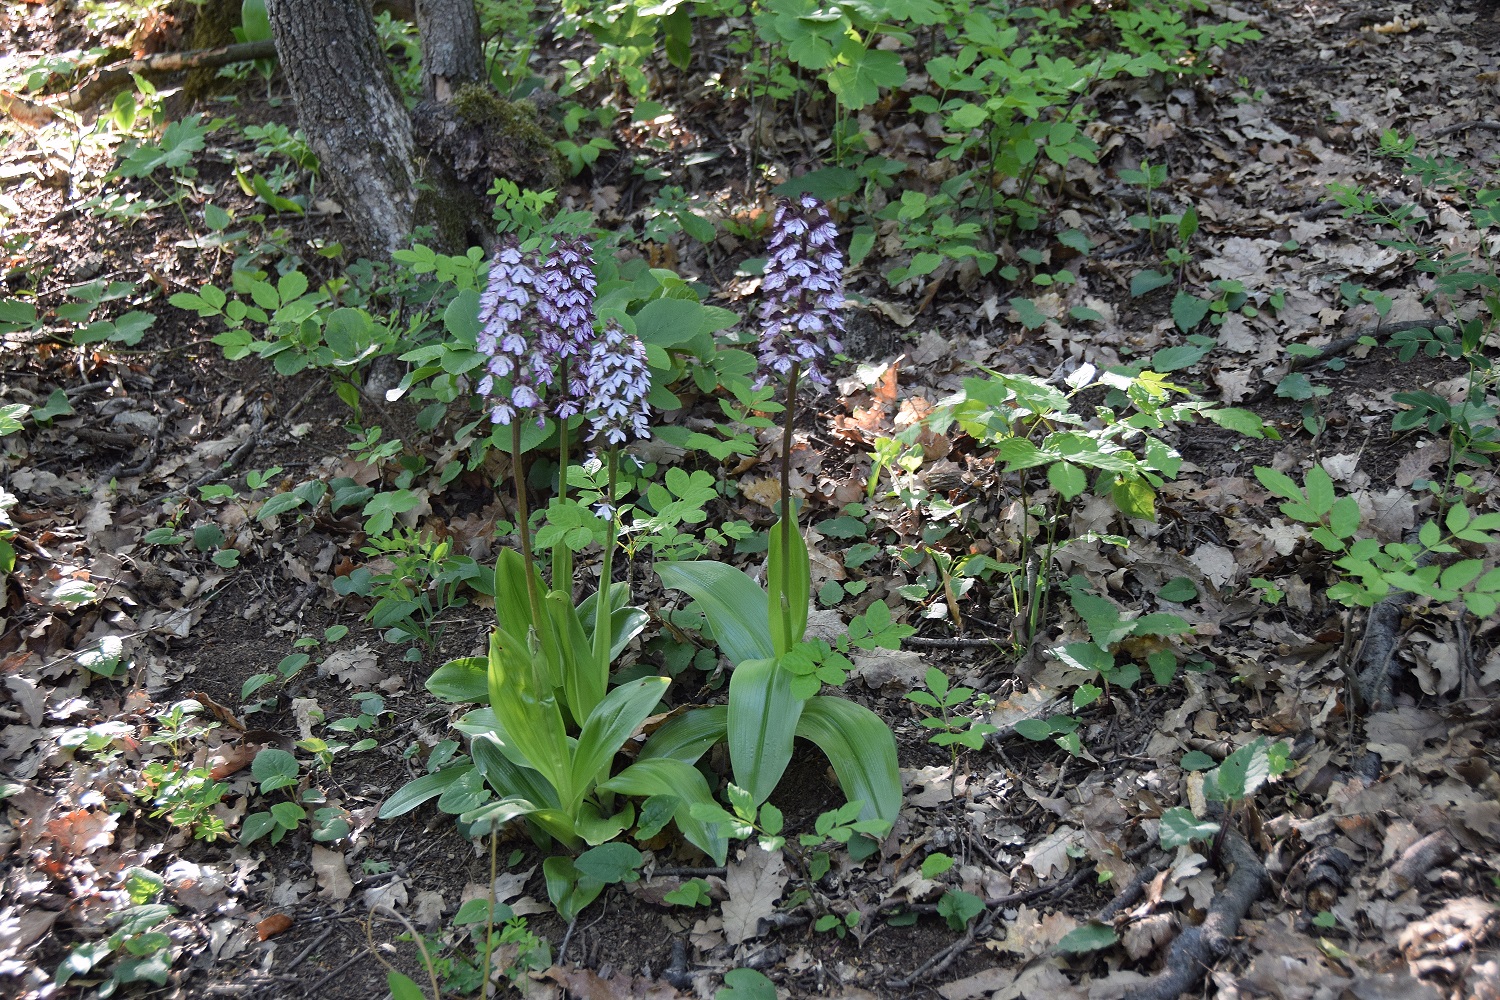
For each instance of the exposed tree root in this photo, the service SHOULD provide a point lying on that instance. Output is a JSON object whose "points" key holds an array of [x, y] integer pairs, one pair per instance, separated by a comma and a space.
{"points": [[1197, 948], [103, 83]]}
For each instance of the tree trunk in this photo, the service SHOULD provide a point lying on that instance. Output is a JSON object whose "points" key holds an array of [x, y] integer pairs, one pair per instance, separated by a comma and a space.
{"points": [[451, 53], [213, 23], [354, 118]]}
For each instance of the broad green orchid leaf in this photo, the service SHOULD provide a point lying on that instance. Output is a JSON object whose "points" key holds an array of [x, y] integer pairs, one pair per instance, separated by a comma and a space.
{"points": [[551, 821], [788, 586], [861, 749], [509, 779], [530, 718], [596, 829], [468, 792], [493, 815], [462, 680], [512, 604], [688, 736], [686, 784], [625, 622], [584, 681], [618, 716], [763, 715], [481, 721], [419, 790], [569, 889], [734, 603]]}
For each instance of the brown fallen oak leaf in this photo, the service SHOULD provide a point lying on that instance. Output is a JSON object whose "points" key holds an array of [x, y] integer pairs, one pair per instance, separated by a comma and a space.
{"points": [[357, 667], [755, 883], [586, 984], [1444, 943], [82, 832]]}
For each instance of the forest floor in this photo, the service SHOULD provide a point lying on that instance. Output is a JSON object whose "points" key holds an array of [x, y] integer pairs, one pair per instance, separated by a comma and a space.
{"points": [[1380, 847]]}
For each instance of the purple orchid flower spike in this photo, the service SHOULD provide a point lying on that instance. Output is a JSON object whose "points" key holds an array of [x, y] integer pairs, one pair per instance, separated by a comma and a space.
{"points": [[804, 291], [505, 309], [618, 382], [566, 309]]}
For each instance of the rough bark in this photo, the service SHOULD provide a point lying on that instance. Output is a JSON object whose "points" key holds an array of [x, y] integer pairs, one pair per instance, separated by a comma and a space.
{"points": [[353, 116], [451, 53], [213, 23]]}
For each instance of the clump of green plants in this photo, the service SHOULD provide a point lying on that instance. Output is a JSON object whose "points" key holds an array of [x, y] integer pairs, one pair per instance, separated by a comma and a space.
{"points": [[777, 674], [1370, 570], [543, 749], [1053, 452]]}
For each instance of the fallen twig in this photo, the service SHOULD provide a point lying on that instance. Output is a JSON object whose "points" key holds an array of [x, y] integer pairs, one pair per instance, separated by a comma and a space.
{"points": [[1130, 894], [1338, 346], [1197, 948], [941, 643], [1416, 861], [1447, 130]]}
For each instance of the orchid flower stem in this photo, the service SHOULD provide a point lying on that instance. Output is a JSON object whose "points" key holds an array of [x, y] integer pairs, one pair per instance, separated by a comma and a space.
{"points": [[489, 927], [788, 515], [562, 556], [523, 525], [603, 606]]}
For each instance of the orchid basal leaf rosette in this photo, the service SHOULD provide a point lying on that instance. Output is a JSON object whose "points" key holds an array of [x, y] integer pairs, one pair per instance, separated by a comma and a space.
{"points": [[543, 748], [773, 693]]}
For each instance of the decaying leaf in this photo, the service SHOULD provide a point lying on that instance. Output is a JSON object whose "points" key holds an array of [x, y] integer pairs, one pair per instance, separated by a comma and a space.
{"points": [[755, 882], [333, 875]]}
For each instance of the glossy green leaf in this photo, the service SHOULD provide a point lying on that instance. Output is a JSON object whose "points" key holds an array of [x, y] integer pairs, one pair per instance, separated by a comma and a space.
{"points": [[1087, 937], [746, 984], [595, 828], [1179, 826], [531, 718], [419, 790], [618, 716], [763, 714], [569, 889], [736, 606], [462, 680], [254, 21], [688, 736], [684, 783], [584, 680], [507, 777], [861, 749], [858, 82]]}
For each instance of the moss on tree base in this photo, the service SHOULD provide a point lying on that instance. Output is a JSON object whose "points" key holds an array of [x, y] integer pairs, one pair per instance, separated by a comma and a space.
{"points": [[480, 136]]}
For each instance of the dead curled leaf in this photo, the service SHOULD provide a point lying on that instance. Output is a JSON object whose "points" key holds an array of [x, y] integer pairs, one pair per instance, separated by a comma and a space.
{"points": [[276, 923], [899, 670], [1144, 936], [357, 667]]}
